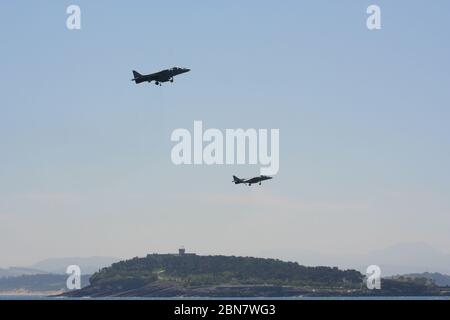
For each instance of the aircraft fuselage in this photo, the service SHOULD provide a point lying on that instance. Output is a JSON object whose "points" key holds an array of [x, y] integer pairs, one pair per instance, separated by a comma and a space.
{"points": [[250, 181], [159, 77]]}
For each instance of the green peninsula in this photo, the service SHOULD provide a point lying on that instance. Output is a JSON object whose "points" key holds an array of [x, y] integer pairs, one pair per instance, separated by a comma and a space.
{"points": [[190, 275]]}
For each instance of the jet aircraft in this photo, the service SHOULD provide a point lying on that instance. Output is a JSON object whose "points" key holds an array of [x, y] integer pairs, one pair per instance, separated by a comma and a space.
{"points": [[251, 181], [159, 77]]}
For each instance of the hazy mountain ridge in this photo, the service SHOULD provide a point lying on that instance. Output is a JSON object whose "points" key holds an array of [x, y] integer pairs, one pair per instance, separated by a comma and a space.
{"points": [[19, 271], [403, 258], [88, 265], [49, 275]]}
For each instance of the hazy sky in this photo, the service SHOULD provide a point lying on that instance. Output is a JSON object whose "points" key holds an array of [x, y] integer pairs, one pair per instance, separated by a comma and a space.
{"points": [[363, 115]]}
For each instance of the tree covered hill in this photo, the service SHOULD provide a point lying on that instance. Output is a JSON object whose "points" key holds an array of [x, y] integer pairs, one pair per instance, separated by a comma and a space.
{"points": [[194, 270], [172, 275]]}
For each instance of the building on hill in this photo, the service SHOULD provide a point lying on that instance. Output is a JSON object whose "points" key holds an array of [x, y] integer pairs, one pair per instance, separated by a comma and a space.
{"points": [[182, 252]]}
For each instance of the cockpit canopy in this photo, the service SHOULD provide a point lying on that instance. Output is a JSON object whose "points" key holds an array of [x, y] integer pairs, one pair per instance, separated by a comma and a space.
{"points": [[179, 70]]}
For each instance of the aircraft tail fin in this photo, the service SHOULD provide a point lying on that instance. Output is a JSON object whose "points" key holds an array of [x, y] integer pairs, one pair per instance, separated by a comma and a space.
{"points": [[136, 74], [236, 180], [137, 77]]}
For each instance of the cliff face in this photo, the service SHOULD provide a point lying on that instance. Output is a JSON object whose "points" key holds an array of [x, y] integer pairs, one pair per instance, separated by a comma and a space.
{"points": [[222, 276]]}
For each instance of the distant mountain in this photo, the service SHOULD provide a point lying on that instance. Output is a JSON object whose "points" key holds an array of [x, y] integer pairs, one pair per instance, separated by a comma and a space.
{"points": [[409, 258], [88, 265], [18, 271], [402, 258]]}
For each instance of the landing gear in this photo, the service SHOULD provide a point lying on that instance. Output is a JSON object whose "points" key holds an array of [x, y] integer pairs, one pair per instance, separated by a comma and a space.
{"points": [[157, 83], [171, 80], [260, 183], [249, 184]]}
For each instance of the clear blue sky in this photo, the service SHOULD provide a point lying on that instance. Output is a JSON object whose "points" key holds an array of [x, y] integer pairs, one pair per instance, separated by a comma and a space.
{"points": [[85, 154]]}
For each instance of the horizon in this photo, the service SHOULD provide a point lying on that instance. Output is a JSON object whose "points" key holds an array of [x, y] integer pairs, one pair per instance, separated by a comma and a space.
{"points": [[311, 260]]}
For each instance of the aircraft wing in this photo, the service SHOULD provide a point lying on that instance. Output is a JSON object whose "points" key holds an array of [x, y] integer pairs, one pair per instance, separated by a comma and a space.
{"points": [[161, 76]]}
